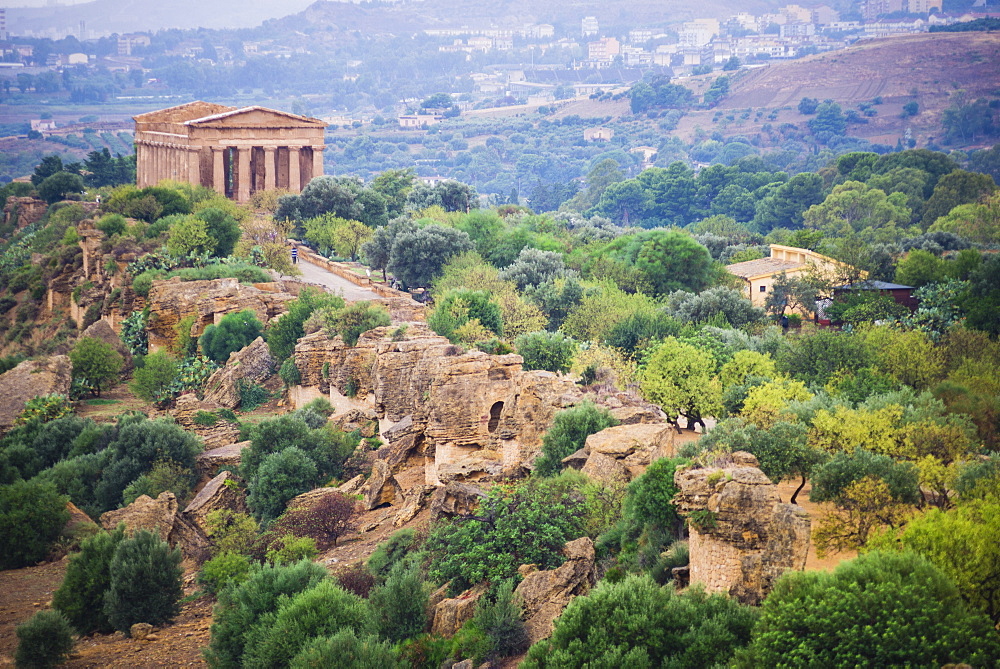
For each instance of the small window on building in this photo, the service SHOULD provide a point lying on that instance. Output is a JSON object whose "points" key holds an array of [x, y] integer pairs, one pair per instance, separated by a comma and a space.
{"points": [[763, 289]]}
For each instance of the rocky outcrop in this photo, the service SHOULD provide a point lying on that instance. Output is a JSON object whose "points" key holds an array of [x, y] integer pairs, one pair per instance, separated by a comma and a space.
{"points": [[742, 537], [381, 489], [455, 499], [251, 364], [220, 433], [102, 330], [546, 593], [219, 493], [621, 453], [209, 462], [173, 300], [161, 517], [30, 379], [451, 614], [365, 422], [23, 211], [465, 415]]}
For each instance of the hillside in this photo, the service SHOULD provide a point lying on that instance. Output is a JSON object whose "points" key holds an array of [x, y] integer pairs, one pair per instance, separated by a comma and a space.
{"points": [[925, 68]]}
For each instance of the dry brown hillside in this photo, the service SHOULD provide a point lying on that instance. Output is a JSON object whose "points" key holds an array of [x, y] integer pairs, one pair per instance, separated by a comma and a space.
{"points": [[932, 66]]}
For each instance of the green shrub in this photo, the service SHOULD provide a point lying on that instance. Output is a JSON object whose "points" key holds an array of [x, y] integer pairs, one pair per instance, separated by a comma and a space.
{"points": [[164, 475], [399, 606], [44, 408], [359, 318], [283, 335], [32, 514], [346, 650], [133, 333], [234, 332], [457, 307], [288, 549], [96, 361], [44, 641], [242, 605], [499, 617], [467, 551], [252, 395], [231, 532], [112, 224], [636, 623], [327, 448], [320, 611], [878, 610], [551, 351], [145, 582], [206, 418], [223, 569], [391, 551], [289, 373], [280, 477], [88, 577], [569, 433]]}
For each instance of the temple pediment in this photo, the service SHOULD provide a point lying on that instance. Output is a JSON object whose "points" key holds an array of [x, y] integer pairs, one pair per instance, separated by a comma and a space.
{"points": [[183, 113], [255, 117]]}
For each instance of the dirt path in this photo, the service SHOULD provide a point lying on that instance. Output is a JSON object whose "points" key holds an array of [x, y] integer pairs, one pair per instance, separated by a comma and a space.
{"points": [[349, 291]]}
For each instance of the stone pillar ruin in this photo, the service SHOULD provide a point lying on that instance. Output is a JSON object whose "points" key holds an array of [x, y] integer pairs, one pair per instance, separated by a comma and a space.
{"points": [[294, 167], [742, 538], [270, 167]]}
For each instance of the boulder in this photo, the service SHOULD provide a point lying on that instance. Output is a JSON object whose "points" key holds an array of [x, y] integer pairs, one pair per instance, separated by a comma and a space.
{"points": [[29, 380], [161, 517], [455, 499], [381, 488], [414, 500], [209, 462], [753, 538], [353, 486], [102, 330], [451, 614], [634, 415], [140, 631], [220, 433], [479, 466], [307, 499], [402, 439], [219, 493], [606, 469], [252, 364], [621, 441], [546, 593], [363, 421]]}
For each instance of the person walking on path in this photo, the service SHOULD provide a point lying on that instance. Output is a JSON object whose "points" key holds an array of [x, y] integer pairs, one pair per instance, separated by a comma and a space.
{"points": [[295, 255]]}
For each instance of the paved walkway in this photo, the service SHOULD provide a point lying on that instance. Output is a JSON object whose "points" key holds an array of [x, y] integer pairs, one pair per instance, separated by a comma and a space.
{"points": [[349, 291]]}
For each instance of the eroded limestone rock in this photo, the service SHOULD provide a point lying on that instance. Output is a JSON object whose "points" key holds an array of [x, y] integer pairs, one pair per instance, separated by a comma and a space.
{"points": [[161, 517], [30, 379], [221, 433], [219, 493], [381, 488], [752, 538], [455, 499], [451, 614], [546, 593], [251, 364]]}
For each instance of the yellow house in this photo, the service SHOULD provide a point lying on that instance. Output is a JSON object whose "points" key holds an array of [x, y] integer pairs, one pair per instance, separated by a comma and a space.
{"points": [[759, 275]]}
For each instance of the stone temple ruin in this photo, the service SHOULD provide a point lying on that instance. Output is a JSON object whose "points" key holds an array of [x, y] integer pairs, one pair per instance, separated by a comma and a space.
{"points": [[237, 152], [742, 537]]}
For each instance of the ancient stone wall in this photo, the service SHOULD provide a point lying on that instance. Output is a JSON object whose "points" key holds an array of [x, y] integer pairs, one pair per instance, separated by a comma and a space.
{"points": [[742, 537]]}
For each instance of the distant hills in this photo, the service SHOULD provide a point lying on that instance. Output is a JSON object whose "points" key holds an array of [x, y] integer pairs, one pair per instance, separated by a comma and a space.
{"points": [[106, 16]]}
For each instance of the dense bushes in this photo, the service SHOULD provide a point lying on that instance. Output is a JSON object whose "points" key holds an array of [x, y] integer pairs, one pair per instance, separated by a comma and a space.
{"points": [[81, 596], [569, 433], [233, 332], [32, 514], [637, 623], [880, 609], [523, 525], [242, 606], [551, 351], [145, 583], [44, 641]]}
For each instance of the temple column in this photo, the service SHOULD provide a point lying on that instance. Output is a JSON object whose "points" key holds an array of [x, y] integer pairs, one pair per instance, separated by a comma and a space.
{"points": [[218, 170], [157, 165], [243, 176], [294, 175], [194, 166], [270, 167], [317, 161]]}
